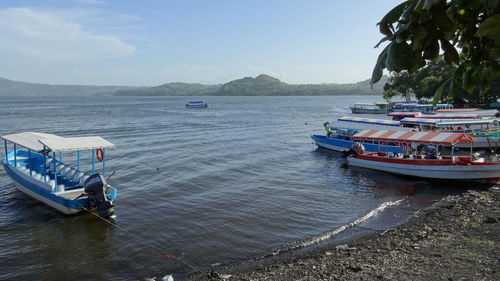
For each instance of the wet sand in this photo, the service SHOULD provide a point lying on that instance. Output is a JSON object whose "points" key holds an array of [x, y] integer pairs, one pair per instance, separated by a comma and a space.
{"points": [[455, 239]]}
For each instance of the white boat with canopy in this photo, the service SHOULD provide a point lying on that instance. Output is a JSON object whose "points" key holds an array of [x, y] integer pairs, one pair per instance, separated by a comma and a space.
{"points": [[39, 171], [414, 162]]}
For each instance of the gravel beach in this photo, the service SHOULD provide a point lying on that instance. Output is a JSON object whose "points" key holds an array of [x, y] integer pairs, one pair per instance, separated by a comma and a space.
{"points": [[455, 239]]}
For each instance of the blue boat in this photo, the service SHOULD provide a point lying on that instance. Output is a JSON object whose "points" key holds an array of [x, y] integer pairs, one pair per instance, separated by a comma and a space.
{"points": [[196, 104], [38, 170], [340, 139]]}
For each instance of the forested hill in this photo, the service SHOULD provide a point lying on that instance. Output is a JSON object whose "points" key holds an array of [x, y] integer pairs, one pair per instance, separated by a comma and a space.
{"points": [[16, 88], [262, 85], [171, 89]]}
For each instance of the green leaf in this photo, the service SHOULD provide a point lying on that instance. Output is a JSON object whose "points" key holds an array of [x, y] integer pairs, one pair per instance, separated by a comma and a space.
{"points": [[429, 3], [432, 50], [439, 93], [452, 91], [450, 53], [381, 41], [385, 28], [393, 15], [378, 70], [419, 38], [490, 28], [398, 57], [467, 83]]}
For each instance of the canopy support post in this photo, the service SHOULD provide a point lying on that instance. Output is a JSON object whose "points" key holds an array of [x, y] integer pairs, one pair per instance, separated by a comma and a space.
{"points": [[15, 155], [44, 165], [55, 172], [60, 156], [104, 162], [29, 157], [5, 147], [78, 161], [470, 155], [452, 148], [93, 161]]}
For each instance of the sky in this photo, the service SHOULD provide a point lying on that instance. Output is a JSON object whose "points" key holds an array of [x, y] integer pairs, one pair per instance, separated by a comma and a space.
{"points": [[151, 42]]}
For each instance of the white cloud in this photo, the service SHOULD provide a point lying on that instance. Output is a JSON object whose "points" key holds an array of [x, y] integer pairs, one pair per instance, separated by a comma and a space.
{"points": [[46, 37]]}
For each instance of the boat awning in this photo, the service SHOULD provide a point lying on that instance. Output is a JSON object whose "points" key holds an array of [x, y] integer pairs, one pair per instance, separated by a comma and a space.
{"points": [[447, 122], [446, 139], [406, 114], [369, 121], [36, 142], [450, 116], [420, 121]]}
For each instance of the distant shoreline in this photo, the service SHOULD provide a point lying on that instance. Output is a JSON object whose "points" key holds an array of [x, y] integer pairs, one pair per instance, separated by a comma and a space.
{"points": [[262, 85]]}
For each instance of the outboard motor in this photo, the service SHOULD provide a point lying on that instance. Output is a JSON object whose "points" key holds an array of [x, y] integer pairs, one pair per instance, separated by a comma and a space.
{"points": [[356, 149], [347, 153], [95, 187]]}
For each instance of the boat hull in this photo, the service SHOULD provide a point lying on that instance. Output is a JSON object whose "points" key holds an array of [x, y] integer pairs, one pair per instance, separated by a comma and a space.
{"points": [[368, 111], [343, 145], [434, 169], [40, 192]]}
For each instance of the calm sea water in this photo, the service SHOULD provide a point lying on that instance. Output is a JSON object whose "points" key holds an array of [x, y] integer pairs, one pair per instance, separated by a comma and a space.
{"points": [[210, 186]]}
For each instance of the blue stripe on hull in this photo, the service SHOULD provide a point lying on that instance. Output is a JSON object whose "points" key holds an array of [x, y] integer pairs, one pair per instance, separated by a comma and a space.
{"points": [[341, 144], [36, 187]]}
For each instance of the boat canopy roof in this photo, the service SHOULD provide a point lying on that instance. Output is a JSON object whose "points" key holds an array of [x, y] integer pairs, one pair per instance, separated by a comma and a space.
{"points": [[450, 116], [446, 139], [411, 114], [369, 121], [447, 122], [36, 142]]}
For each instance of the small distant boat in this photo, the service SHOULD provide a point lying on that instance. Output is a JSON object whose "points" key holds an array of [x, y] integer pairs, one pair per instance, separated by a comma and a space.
{"points": [[39, 171], [370, 108], [196, 104], [431, 165]]}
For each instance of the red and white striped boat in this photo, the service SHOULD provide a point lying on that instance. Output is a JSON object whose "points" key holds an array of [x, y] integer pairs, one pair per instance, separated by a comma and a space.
{"points": [[434, 166]]}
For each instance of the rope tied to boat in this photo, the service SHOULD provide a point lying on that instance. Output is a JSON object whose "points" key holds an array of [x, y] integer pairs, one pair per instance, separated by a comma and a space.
{"points": [[211, 274]]}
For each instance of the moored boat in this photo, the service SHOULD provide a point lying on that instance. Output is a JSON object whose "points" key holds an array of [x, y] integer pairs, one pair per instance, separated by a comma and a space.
{"points": [[340, 139], [486, 132], [196, 104], [429, 165], [38, 170], [370, 108]]}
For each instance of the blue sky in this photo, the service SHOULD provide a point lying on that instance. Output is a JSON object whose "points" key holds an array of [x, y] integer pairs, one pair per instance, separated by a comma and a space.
{"points": [[119, 42]]}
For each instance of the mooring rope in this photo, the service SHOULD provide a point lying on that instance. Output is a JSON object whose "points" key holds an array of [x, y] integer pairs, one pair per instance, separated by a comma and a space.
{"points": [[166, 254]]}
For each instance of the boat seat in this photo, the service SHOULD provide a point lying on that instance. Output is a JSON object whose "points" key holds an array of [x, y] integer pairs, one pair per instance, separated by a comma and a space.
{"points": [[64, 170], [78, 176], [83, 179], [60, 166], [70, 173], [52, 184], [48, 161], [61, 187]]}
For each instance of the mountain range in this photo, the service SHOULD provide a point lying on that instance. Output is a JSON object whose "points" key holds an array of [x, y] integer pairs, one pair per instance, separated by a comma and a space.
{"points": [[262, 85]]}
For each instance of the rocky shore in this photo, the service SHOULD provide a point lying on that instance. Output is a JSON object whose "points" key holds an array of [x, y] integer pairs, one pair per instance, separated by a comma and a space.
{"points": [[455, 239]]}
